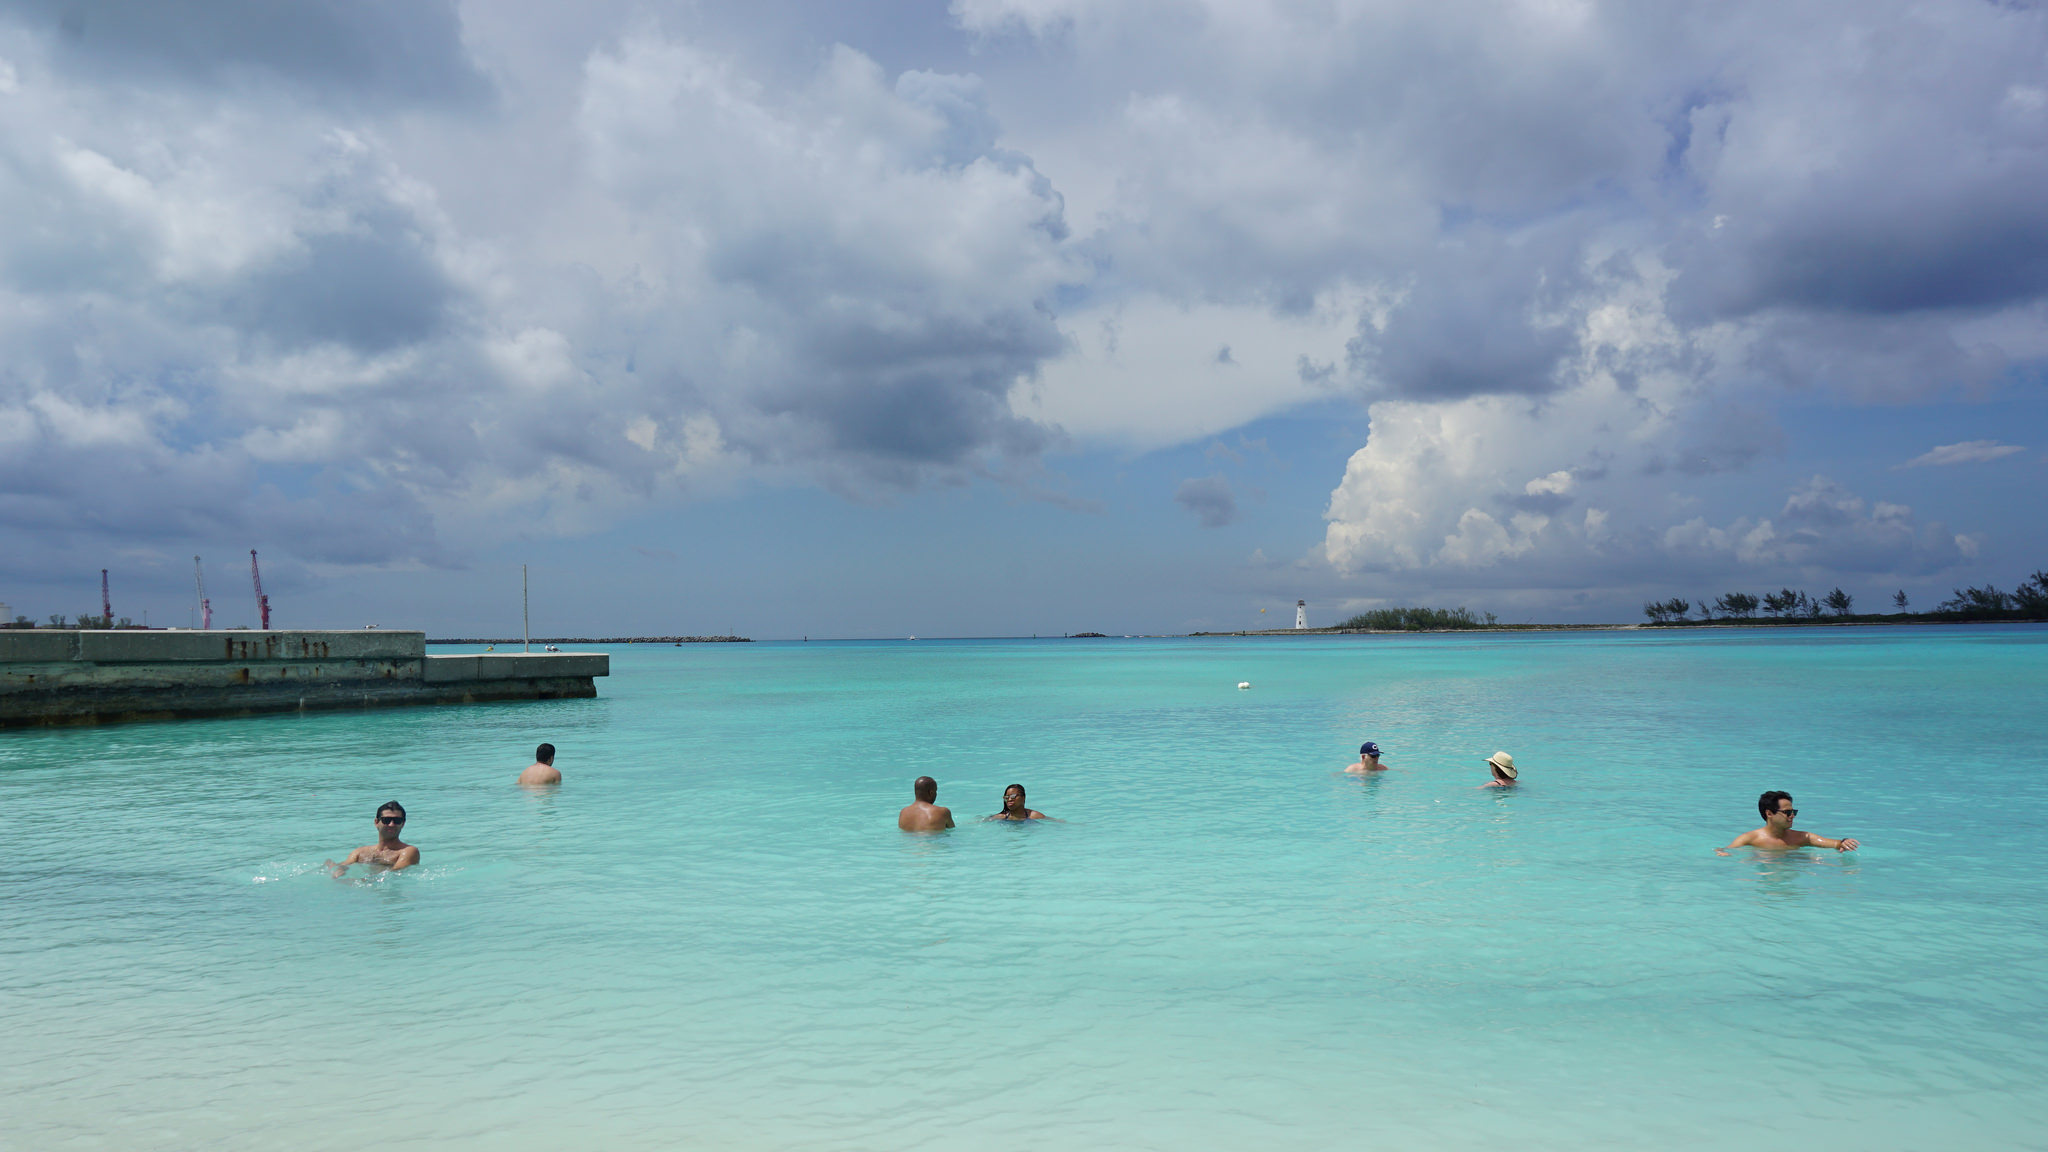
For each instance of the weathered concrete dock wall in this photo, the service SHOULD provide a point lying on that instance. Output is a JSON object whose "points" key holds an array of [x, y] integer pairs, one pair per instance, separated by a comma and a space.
{"points": [[67, 676]]}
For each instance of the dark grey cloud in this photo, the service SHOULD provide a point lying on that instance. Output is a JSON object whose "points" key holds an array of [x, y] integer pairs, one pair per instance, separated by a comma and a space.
{"points": [[65, 503], [369, 50], [1862, 250], [1209, 498], [1899, 177], [1723, 437], [1490, 316], [834, 229], [1547, 503], [1885, 358], [914, 419], [374, 287]]}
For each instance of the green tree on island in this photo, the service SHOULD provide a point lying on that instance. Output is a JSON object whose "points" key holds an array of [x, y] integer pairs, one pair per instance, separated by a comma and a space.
{"points": [[2031, 597], [1665, 611], [2029, 600], [1738, 604], [1985, 601], [1418, 620]]}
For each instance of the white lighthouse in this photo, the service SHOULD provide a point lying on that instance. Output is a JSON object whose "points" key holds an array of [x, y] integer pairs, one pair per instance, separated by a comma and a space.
{"points": [[1301, 613]]}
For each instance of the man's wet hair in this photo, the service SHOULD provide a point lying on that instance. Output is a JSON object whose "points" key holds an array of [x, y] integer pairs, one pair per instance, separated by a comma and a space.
{"points": [[1767, 804], [391, 806], [926, 789], [545, 754]]}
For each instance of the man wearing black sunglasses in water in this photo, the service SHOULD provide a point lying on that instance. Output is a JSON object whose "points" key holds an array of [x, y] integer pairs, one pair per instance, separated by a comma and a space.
{"points": [[1777, 810], [389, 852]]}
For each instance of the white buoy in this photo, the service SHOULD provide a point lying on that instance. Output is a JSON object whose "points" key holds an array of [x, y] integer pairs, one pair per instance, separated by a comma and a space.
{"points": [[1243, 684]]}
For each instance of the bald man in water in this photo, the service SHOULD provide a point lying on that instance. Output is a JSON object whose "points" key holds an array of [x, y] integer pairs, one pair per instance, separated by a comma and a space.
{"points": [[542, 770], [924, 814]]}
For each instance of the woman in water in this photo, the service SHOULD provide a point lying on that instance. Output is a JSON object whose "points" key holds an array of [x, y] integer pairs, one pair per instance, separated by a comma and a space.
{"points": [[1013, 806]]}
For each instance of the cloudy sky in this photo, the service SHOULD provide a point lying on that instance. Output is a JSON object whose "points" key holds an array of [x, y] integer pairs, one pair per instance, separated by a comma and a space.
{"points": [[1007, 316]]}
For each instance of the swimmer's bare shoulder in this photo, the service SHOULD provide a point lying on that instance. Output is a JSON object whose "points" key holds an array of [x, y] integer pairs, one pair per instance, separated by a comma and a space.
{"points": [[540, 774], [922, 817], [1794, 838]]}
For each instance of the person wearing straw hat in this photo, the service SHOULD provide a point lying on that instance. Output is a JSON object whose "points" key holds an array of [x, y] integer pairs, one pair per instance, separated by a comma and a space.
{"points": [[1368, 760], [1504, 773]]}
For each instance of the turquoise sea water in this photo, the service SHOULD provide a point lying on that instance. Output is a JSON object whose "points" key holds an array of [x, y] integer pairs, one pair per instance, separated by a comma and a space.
{"points": [[712, 935]]}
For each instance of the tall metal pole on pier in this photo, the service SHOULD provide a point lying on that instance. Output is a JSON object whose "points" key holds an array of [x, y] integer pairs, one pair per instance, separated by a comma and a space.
{"points": [[205, 605], [525, 615]]}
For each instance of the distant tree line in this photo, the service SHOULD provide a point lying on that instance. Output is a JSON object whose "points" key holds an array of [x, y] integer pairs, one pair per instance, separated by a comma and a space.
{"points": [[1419, 619], [59, 620], [85, 620], [2027, 602]]}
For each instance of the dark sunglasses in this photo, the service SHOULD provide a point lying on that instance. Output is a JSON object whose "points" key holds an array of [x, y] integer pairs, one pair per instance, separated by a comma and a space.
{"points": [[390, 819], [1789, 812]]}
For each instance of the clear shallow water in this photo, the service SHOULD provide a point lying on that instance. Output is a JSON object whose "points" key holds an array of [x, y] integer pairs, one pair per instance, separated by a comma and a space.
{"points": [[712, 935]]}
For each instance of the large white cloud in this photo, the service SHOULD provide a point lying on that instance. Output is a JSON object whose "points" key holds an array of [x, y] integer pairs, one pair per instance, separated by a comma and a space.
{"points": [[1585, 484]]}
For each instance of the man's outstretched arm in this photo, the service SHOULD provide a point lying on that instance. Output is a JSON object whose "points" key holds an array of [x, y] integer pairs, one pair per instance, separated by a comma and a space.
{"points": [[1846, 844]]}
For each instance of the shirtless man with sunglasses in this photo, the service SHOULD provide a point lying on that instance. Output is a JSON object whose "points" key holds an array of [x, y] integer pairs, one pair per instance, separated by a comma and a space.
{"points": [[1777, 810], [389, 852]]}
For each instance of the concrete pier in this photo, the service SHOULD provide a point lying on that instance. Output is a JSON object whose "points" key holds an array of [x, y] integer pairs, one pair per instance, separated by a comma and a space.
{"points": [[69, 676]]}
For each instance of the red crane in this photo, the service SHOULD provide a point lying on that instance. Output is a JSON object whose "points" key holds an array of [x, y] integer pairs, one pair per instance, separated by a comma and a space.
{"points": [[262, 601], [106, 603]]}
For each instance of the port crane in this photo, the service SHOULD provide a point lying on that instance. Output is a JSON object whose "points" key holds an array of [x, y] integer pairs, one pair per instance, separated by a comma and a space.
{"points": [[262, 601]]}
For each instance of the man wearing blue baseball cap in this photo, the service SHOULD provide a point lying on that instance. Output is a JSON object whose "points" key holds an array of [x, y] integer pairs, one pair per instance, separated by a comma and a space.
{"points": [[1368, 760]]}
